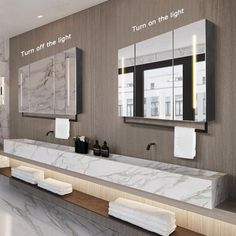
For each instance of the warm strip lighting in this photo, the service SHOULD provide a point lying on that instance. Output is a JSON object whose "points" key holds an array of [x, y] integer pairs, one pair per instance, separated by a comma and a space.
{"points": [[40, 16], [68, 80], [194, 67], [122, 81], [2, 92], [21, 89]]}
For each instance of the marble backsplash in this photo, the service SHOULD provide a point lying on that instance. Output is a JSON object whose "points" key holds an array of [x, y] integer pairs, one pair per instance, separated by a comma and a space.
{"points": [[4, 72]]}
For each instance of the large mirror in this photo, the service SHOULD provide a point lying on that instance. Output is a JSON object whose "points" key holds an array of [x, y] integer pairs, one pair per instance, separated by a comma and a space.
{"points": [[168, 76]]}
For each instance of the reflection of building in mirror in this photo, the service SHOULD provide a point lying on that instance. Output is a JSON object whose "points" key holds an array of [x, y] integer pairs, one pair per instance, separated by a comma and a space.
{"points": [[125, 95], [158, 91]]}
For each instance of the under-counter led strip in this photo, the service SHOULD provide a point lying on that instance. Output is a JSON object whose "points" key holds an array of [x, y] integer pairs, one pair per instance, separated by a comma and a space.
{"points": [[68, 80], [194, 67]]}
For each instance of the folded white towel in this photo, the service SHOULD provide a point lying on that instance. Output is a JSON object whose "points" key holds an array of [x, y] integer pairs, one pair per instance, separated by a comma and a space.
{"points": [[145, 218], [55, 183], [28, 172], [55, 186], [151, 227], [154, 225], [26, 179], [143, 210], [33, 178], [59, 192]]}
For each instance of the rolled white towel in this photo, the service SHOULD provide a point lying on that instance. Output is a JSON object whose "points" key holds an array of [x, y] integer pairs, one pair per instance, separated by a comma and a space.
{"points": [[143, 210], [157, 228], [28, 172]]}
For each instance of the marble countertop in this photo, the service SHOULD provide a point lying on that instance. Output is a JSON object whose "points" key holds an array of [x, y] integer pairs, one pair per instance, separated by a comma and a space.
{"points": [[198, 187]]}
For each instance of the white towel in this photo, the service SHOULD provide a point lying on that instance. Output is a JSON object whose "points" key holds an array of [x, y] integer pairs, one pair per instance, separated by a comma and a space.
{"points": [[144, 210], [55, 189], [153, 228], [59, 192], [28, 172], [155, 225], [55, 186], [28, 180], [145, 219], [62, 128], [55, 183], [185, 142]]}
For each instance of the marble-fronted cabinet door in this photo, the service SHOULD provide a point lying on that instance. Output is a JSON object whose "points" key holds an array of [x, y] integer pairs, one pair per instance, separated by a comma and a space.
{"points": [[24, 89], [65, 82], [42, 84]]}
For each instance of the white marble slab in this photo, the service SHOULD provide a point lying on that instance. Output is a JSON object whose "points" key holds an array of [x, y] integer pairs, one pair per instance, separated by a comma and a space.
{"points": [[202, 188]]}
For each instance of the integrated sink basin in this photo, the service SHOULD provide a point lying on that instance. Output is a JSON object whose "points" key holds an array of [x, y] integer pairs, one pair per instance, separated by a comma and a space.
{"points": [[194, 186]]}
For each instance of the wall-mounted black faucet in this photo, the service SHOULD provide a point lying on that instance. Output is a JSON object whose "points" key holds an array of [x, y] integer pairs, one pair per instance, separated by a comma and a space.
{"points": [[149, 146], [49, 132]]}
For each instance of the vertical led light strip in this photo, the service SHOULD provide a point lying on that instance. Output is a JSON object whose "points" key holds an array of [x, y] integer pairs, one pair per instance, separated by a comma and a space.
{"points": [[2, 91], [194, 67], [21, 89], [122, 82], [68, 80]]}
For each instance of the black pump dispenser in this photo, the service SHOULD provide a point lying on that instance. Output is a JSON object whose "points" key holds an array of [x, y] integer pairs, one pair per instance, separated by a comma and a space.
{"points": [[105, 150], [96, 149]]}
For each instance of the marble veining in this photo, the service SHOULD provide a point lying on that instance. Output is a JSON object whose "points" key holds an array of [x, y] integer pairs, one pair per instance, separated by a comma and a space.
{"points": [[198, 187], [24, 214]]}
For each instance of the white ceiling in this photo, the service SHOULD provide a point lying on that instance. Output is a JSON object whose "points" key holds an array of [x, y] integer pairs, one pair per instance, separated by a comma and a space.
{"points": [[19, 16]]}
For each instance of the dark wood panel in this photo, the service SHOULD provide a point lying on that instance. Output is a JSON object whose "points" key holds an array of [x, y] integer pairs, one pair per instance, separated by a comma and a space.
{"points": [[99, 32]]}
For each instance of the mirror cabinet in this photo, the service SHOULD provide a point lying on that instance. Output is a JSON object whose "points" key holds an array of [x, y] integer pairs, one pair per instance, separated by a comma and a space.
{"points": [[170, 76], [51, 86]]}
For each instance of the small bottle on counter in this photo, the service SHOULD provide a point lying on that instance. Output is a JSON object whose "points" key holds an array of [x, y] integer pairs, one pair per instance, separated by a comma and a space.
{"points": [[105, 150], [96, 149]]}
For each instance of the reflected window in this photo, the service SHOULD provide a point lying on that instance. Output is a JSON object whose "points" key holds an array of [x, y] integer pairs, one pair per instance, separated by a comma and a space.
{"points": [[204, 105], [154, 106], [167, 106], [178, 105], [152, 86], [130, 107], [145, 107], [125, 93], [120, 108]]}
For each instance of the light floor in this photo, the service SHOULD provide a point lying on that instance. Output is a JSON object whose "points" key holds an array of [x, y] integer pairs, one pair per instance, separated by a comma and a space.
{"points": [[22, 214]]}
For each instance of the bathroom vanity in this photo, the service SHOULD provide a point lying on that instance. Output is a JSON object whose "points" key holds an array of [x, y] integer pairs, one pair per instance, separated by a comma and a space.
{"points": [[202, 188]]}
